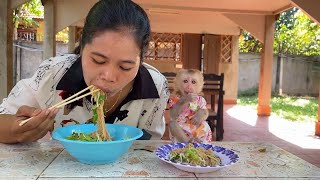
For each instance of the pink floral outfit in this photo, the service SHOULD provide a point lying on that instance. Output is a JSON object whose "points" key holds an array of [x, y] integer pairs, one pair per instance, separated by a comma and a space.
{"points": [[200, 133]]}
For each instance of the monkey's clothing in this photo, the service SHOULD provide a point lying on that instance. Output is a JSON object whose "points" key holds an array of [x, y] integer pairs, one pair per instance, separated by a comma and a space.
{"points": [[202, 133]]}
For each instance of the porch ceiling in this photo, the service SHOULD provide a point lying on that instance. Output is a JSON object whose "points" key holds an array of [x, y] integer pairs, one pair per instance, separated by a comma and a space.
{"points": [[234, 6], [190, 16], [181, 16]]}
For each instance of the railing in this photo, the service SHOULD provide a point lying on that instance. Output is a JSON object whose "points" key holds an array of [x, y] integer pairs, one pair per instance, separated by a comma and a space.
{"points": [[32, 36]]}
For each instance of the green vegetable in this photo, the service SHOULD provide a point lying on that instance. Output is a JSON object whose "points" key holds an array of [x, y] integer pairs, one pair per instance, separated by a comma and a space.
{"points": [[82, 137], [194, 156], [95, 114], [101, 99]]}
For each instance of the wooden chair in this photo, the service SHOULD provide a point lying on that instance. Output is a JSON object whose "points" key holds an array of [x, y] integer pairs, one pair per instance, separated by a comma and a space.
{"points": [[170, 77], [213, 86]]}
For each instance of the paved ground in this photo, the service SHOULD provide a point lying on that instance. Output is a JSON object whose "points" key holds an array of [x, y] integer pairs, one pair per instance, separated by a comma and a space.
{"points": [[242, 124]]}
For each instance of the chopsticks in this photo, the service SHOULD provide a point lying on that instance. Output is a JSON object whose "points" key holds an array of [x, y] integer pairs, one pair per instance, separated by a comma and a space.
{"points": [[67, 101]]}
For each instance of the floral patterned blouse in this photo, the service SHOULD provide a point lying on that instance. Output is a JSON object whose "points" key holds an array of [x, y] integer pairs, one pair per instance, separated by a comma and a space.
{"points": [[59, 77], [202, 133]]}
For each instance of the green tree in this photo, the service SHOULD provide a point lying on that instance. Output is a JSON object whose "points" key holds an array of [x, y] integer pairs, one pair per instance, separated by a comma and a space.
{"points": [[248, 43], [295, 34], [24, 13]]}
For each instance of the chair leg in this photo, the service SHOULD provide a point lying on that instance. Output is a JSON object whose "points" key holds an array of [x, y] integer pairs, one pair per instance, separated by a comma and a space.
{"points": [[211, 123], [219, 129]]}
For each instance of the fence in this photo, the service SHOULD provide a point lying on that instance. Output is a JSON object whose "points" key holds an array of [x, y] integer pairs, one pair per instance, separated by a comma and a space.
{"points": [[300, 76]]}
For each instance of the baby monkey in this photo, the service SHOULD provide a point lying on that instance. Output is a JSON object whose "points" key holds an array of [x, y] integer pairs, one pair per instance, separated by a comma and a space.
{"points": [[188, 112]]}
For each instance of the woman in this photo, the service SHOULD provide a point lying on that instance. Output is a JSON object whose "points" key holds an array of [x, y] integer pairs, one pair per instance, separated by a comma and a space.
{"points": [[114, 38]]}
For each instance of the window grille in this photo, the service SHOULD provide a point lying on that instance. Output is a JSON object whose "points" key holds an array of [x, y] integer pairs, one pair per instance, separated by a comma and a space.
{"points": [[164, 46], [226, 49]]}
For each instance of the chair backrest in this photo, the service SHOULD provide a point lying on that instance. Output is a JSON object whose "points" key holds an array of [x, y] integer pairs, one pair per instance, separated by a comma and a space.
{"points": [[170, 77], [213, 84]]}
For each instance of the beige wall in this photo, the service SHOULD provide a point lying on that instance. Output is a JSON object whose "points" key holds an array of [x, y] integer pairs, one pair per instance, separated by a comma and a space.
{"points": [[230, 71]]}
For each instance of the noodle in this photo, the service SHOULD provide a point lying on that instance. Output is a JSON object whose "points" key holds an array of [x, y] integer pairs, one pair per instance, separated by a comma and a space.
{"points": [[98, 116], [102, 133], [195, 156]]}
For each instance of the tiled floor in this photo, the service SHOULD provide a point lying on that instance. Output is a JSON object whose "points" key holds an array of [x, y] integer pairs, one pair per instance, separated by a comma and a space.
{"points": [[242, 124]]}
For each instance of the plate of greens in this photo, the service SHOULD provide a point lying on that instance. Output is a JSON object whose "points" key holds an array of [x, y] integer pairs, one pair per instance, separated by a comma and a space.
{"points": [[197, 157]]}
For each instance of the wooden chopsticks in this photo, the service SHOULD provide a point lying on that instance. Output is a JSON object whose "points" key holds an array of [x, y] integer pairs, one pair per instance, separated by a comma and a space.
{"points": [[67, 101]]}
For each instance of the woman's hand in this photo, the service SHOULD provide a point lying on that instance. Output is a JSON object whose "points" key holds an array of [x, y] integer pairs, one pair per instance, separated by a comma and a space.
{"points": [[41, 123]]}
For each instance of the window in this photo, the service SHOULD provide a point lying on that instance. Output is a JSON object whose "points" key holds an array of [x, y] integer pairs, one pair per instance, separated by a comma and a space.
{"points": [[226, 49], [164, 46]]}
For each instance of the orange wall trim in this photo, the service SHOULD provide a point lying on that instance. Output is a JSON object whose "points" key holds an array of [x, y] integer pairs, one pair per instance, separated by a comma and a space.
{"points": [[317, 133], [319, 106], [230, 101], [264, 110]]}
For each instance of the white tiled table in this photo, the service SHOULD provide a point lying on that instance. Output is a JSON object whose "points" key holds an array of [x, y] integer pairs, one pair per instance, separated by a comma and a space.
{"points": [[46, 159]]}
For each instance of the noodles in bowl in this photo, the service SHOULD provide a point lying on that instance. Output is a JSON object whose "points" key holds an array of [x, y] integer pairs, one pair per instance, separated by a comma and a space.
{"points": [[101, 134], [97, 143], [102, 152], [197, 157]]}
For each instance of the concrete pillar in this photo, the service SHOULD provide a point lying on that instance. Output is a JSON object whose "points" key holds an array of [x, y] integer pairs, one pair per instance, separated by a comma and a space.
{"points": [[49, 29], [281, 75], [6, 52], [72, 38], [318, 123], [18, 64], [3, 49], [265, 83]]}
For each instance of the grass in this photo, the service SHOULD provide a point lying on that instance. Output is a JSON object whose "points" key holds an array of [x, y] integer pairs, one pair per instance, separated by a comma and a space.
{"points": [[288, 107]]}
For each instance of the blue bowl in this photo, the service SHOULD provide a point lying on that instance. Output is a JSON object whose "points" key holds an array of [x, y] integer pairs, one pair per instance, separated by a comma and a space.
{"points": [[98, 152]]}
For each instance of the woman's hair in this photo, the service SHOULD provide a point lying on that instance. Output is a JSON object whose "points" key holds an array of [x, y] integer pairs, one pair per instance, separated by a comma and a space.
{"points": [[116, 15]]}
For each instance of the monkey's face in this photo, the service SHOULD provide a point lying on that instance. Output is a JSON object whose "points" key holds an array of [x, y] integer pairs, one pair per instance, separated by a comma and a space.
{"points": [[190, 84]]}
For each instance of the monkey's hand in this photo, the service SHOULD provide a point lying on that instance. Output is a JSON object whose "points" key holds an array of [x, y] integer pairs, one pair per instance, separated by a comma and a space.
{"points": [[200, 116], [176, 109], [187, 98], [177, 132]]}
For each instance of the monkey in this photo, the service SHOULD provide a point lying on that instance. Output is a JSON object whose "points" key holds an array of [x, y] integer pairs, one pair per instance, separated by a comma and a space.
{"points": [[188, 112]]}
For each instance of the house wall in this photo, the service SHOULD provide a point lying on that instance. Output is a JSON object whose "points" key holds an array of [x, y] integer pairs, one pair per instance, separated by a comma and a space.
{"points": [[231, 74]]}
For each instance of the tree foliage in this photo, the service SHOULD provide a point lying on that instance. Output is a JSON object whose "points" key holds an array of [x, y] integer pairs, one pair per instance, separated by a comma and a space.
{"points": [[24, 13], [295, 34]]}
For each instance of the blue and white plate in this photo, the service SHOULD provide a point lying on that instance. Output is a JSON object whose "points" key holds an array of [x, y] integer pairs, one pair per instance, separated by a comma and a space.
{"points": [[227, 156]]}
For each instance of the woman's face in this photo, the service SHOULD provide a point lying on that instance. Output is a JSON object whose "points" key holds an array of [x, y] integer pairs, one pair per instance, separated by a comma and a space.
{"points": [[110, 61]]}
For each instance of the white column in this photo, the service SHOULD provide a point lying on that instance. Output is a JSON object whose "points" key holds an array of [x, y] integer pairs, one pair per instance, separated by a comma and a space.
{"points": [[72, 38], [3, 49], [281, 75], [6, 53], [49, 29]]}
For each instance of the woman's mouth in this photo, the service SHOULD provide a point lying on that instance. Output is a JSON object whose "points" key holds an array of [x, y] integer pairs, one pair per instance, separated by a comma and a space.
{"points": [[104, 89]]}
